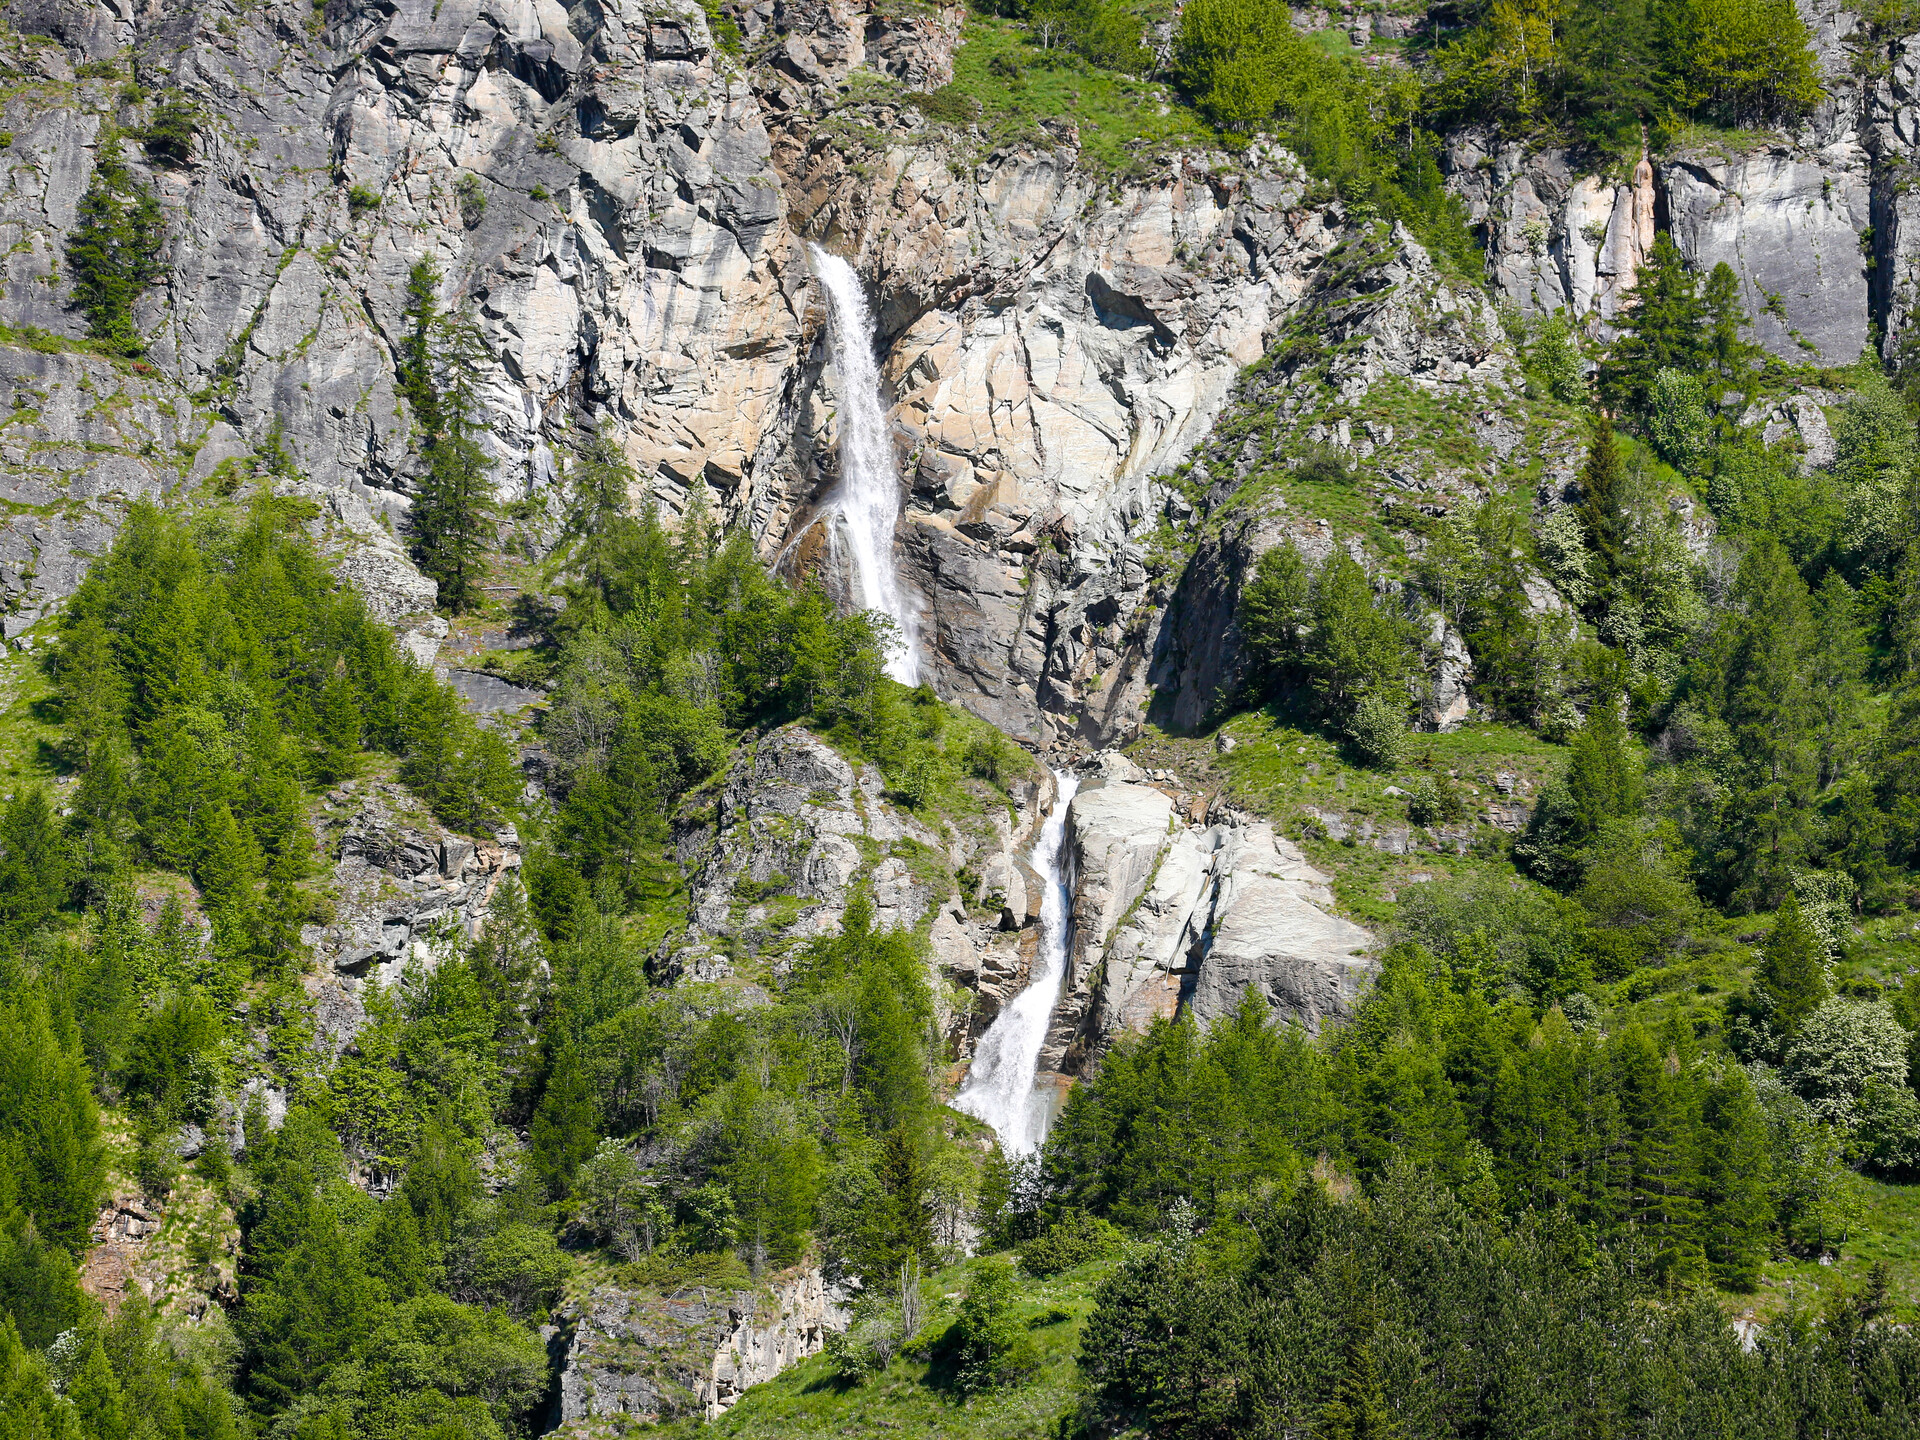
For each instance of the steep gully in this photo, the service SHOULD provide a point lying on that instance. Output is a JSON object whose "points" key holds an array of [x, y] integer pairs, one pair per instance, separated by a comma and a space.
{"points": [[1000, 1086]]}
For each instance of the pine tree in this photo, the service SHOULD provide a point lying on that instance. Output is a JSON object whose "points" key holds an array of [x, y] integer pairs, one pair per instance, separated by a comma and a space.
{"points": [[1836, 674], [1602, 499], [1732, 358], [1662, 328], [394, 1255], [1737, 1169], [47, 1113], [30, 1408], [451, 520], [94, 1393], [1792, 968], [1769, 707], [903, 1176], [1603, 779], [339, 725], [565, 1130], [1661, 1194], [35, 875]]}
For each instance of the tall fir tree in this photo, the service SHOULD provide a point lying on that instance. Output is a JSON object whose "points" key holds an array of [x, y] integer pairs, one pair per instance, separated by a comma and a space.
{"points": [[1836, 676], [1792, 968], [451, 520], [1663, 327], [1603, 510]]}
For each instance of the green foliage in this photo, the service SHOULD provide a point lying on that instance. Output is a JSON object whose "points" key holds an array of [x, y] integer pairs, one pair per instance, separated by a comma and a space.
{"points": [[169, 136], [1351, 647], [1068, 1244], [224, 660], [988, 1348], [1792, 970], [1599, 69], [113, 253], [360, 200], [451, 520], [1324, 1322]]}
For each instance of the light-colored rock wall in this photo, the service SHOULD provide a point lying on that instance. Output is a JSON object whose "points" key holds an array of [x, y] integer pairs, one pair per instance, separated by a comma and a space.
{"points": [[694, 1352]]}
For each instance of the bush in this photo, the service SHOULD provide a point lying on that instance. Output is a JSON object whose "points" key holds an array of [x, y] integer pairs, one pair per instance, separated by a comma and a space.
{"points": [[1888, 1133], [867, 1345], [521, 1269], [472, 198], [1069, 1244], [989, 1348], [113, 254], [1677, 421], [1377, 732], [1843, 1048], [169, 138], [360, 200]]}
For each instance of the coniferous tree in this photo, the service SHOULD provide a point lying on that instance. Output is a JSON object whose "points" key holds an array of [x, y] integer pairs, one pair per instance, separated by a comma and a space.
{"points": [[1731, 358], [1792, 968], [35, 876], [48, 1118], [1662, 328], [1739, 1210], [1836, 671], [565, 1130], [1602, 501], [451, 519]]}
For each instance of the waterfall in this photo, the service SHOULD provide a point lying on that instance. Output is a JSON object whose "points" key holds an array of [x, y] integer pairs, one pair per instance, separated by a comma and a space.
{"points": [[999, 1088], [868, 498]]}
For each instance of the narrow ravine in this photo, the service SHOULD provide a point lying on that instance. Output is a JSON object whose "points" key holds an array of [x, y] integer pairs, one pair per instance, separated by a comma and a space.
{"points": [[1000, 1088], [868, 498]]}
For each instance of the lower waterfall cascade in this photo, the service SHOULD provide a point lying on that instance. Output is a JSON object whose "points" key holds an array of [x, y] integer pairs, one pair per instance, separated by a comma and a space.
{"points": [[867, 500], [1000, 1085]]}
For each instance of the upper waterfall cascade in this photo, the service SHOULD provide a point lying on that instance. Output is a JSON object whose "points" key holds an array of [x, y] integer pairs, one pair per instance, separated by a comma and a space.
{"points": [[868, 497], [1000, 1088]]}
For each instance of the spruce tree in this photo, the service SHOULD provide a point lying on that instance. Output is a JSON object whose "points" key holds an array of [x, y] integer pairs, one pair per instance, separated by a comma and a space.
{"points": [[1731, 357], [1836, 673], [47, 1114], [34, 871], [1664, 327], [1792, 968], [1603, 512], [1769, 706], [1737, 1170], [565, 1130], [452, 516]]}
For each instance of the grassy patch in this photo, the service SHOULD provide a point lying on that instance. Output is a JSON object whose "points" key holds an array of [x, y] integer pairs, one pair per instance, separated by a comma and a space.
{"points": [[1007, 86], [906, 1399], [1889, 1235]]}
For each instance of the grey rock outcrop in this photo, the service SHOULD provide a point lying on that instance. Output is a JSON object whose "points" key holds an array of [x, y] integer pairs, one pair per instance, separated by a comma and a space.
{"points": [[693, 1352], [1170, 915], [400, 884]]}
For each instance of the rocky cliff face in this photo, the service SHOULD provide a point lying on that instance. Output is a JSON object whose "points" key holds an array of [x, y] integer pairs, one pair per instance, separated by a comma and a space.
{"points": [[1818, 226], [693, 1352], [625, 210]]}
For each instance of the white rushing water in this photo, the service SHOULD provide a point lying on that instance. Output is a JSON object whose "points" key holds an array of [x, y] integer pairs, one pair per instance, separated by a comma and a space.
{"points": [[868, 499], [999, 1088]]}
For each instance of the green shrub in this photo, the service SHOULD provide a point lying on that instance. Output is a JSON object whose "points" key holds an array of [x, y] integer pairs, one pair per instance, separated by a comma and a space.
{"points": [[1069, 1244], [472, 198], [113, 254], [990, 1349], [169, 138], [360, 200]]}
